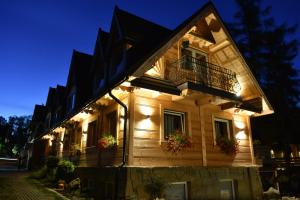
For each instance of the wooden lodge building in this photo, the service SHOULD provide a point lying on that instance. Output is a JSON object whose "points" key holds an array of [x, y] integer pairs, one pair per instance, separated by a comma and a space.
{"points": [[143, 85]]}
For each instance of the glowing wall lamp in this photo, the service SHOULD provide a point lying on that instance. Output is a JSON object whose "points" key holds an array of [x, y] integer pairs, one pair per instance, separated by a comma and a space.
{"points": [[241, 135]]}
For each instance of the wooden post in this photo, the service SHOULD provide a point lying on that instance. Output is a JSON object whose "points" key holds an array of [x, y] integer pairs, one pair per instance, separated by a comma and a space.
{"points": [[130, 132], [201, 110], [250, 141]]}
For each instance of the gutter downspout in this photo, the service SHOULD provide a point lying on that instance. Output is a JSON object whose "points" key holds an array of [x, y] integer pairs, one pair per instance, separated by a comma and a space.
{"points": [[125, 122]]}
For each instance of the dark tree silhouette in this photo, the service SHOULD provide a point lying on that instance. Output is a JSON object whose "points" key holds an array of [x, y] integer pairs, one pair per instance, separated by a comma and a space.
{"points": [[270, 52], [13, 133]]}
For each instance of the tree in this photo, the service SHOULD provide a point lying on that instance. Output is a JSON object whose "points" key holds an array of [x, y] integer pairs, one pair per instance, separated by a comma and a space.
{"points": [[248, 31], [19, 126], [270, 54]]}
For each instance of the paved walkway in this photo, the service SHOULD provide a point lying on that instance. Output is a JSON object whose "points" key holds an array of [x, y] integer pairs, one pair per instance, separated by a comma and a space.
{"points": [[16, 186]]}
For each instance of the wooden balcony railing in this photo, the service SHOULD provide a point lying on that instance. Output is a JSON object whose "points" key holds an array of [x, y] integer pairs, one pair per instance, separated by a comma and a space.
{"points": [[190, 69]]}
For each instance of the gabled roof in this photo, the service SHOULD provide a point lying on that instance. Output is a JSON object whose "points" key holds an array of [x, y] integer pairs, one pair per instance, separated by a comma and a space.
{"points": [[50, 98], [79, 69], [39, 113], [141, 61], [179, 31], [137, 29], [99, 53], [60, 95], [144, 35]]}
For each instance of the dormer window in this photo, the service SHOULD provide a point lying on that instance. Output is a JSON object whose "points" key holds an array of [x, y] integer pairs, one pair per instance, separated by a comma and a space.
{"points": [[48, 120], [73, 96], [71, 102]]}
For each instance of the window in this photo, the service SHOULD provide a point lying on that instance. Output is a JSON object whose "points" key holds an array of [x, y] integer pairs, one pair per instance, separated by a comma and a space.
{"points": [[176, 191], [92, 134], [71, 102], [48, 120], [192, 58], [222, 128], [228, 189], [112, 123], [173, 121]]}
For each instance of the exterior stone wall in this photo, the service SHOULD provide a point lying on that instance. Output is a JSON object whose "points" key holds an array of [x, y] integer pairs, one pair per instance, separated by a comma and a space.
{"points": [[202, 182]]}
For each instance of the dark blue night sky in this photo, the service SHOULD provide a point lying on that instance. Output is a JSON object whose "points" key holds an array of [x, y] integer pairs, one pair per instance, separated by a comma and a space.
{"points": [[37, 38]]}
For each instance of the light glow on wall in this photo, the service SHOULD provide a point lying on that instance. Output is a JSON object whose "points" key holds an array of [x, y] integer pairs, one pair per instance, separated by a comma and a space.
{"points": [[241, 135], [155, 94], [146, 123], [239, 124], [272, 153], [84, 137], [126, 84], [49, 138], [146, 110], [85, 126]]}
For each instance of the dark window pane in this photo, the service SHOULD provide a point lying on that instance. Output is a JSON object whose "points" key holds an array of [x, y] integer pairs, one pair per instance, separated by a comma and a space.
{"points": [[92, 134], [112, 123], [223, 128], [173, 122], [187, 59]]}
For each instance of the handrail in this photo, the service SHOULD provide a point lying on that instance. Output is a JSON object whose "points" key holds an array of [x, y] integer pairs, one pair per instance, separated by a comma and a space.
{"points": [[191, 69]]}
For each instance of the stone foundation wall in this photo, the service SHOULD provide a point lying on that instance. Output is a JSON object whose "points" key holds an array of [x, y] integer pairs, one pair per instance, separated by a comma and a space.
{"points": [[202, 182]]}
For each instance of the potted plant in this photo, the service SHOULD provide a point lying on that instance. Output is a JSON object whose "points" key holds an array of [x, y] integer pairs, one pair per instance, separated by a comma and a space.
{"points": [[107, 141], [107, 145], [178, 142], [228, 146]]}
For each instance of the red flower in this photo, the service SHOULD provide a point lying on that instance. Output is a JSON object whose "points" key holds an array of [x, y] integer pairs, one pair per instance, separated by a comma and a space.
{"points": [[178, 142], [103, 143]]}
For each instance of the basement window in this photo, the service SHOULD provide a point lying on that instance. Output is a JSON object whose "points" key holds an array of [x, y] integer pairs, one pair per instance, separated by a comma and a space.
{"points": [[176, 190], [228, 189], [173, 122]]}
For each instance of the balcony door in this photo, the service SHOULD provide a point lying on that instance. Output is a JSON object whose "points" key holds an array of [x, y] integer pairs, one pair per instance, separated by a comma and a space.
{"points": [[195, 61]]}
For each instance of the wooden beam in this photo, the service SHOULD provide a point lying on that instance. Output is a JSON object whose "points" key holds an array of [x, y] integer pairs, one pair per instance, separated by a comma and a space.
{"points": [[221, 45], [253, 105]]}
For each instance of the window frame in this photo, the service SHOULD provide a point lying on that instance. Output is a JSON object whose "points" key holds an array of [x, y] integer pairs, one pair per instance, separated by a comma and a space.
{"points": [[230, 127], [109, 116], [183, 117], [91, 140], [185, 183], [193, 51], [233, 186]]}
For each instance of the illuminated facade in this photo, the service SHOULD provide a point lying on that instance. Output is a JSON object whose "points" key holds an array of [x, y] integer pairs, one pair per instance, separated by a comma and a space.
{"points": [[144, 84]]}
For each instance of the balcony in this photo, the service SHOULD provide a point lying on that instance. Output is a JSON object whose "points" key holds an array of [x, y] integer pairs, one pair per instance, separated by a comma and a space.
{"points": [[190, 69]]}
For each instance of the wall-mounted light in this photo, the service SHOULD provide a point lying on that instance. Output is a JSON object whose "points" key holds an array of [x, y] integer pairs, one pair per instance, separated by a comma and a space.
{"points": [[85, 127], [84, 137], [272, 153], [241, 135], [240, 125]]}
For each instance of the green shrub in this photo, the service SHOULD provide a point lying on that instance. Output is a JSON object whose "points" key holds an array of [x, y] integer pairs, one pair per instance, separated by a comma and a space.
{"points": [[65, 170], [52, 162], [40, 174]]}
